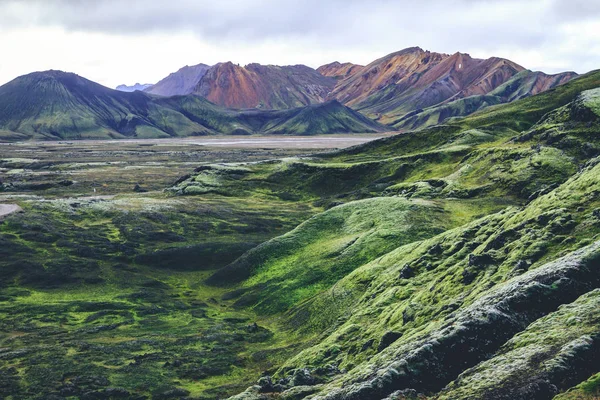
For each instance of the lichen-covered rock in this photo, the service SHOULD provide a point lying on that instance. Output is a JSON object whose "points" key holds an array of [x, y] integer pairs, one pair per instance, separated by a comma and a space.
{"points": [[551, 355], [428, 363]]}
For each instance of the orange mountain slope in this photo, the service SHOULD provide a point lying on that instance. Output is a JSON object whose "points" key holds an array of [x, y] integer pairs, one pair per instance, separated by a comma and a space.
{"points": [[339, 70], [264, 86]]}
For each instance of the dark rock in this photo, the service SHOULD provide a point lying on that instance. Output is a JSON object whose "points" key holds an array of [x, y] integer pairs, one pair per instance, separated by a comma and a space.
{"points": [[171, 394], [138, 189], [327, 370], [267, 386], [521, 265], [302, 377], [480, 260], [406, 272], [468, 276], [387, 339], [119, 393], [436, 249], [367, 345], [406, 394]]}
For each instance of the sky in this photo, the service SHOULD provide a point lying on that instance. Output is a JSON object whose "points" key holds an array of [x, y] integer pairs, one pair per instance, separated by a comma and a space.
{"points": [[128, 41]]}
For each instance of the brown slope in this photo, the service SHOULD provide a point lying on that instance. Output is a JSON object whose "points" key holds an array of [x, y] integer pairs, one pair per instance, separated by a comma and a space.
{"points": [[399, 69], [544, 82], [524, 84], [264, 86], [339, 70], [413, 79], [529, 83]]}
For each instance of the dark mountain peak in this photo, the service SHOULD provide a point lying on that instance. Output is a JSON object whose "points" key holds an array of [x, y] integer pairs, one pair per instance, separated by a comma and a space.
{"points": [[227, 64], [331, 104], [54, 73], [50, 74], [190, 67], [52, 78]]}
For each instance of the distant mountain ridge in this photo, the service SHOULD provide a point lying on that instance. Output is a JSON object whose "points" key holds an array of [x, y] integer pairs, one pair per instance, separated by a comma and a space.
{"points": [[60, 105], [133, 88], [391, 89], [524, 84], [406, 90]]}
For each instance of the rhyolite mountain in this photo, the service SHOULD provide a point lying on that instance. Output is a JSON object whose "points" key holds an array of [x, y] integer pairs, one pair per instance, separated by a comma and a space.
{"points": [[133, 88], [264, 86], [180, 82], [59, 105], [413, 79], [339, 70], [524, 84], [391, 89]]}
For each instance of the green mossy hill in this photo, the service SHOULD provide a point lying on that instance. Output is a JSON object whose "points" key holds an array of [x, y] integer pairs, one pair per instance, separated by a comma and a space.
{"points": [[412, 320], [316, 119], [551, 355], [438, 114], [326, 248], [59, 105], [422, 314], [588, 390]]}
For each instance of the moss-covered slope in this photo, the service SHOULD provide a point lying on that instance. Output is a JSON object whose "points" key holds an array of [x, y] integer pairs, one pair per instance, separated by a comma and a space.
{"points": [[456, 262]]}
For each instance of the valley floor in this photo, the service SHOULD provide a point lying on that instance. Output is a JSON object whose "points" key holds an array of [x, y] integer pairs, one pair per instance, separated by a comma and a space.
{"points": [[102, 273]]}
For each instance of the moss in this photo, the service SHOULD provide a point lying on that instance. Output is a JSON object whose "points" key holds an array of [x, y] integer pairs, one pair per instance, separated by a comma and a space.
{"points": [[453, 256]]}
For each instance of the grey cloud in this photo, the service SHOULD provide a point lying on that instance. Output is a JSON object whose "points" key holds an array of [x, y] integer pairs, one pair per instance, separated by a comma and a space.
{"points": [[575, 9], [382, 25], [331, 20]]}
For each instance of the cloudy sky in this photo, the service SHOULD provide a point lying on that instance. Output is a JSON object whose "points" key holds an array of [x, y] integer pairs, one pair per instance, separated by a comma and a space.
{"points": [[128, 41]]}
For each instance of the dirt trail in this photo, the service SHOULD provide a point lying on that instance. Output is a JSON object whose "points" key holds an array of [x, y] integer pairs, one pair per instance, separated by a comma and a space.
{"points": [[6, 209]]}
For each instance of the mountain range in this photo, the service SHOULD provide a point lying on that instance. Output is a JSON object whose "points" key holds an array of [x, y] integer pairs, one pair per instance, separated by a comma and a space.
{"points": [[406, 90], [59, 105], [409, 89]]}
